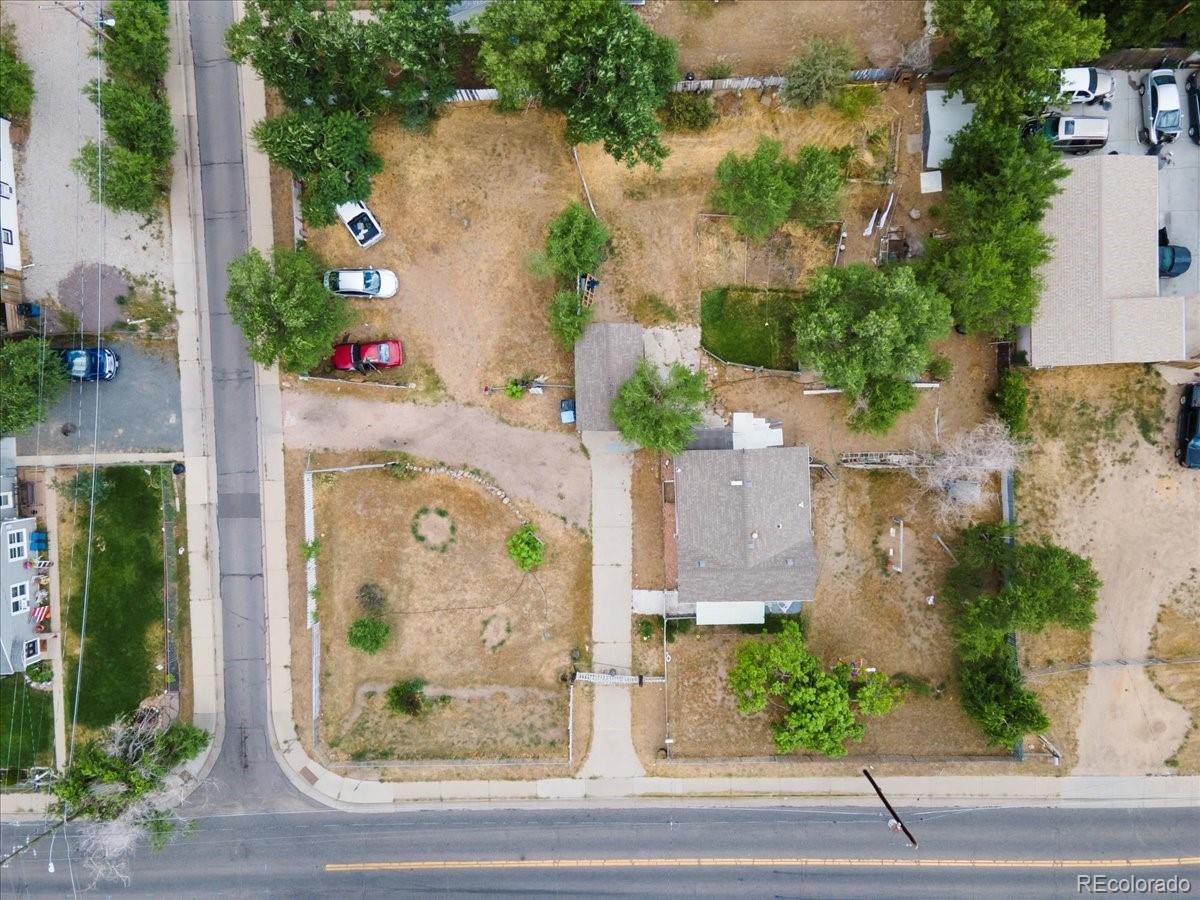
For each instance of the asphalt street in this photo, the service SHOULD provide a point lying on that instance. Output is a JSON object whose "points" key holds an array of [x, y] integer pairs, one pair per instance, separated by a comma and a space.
{"points": [[758, 853], [246, 776]]}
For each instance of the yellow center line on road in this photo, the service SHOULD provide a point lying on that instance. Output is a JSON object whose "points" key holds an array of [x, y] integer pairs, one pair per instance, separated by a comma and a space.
{"points": [[757, 862]]}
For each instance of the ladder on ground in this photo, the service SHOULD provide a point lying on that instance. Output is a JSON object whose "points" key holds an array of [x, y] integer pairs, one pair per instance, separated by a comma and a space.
{"points": [[887, 459], [586, 286]]}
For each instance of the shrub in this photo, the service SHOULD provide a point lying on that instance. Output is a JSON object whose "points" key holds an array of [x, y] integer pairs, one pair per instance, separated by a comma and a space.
{"points": [[688, 111], [372, 600], [180, 743], [757, 191], [138, 46], [660, 414], [818, 180], [718, 69], [875, 694], [818, 73], [575, 242], [369, 634], [40, 672], [994, 696], [514, 389], [525, 548], [407, 698], [16, 78], [132, 182], [568, 317], [1011, 401], [645, 628], [78, 488], [941, 368], [853, 102], [33, 379], [312, 549], [134, 118]]}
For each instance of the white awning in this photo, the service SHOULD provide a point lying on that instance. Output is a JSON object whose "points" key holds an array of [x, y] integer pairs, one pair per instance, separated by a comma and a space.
{"points": [[742, 612]]}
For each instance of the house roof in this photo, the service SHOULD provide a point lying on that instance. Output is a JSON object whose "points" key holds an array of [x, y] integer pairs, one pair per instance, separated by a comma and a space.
{"points": [[605, 358], [745, 525], [1100, 300]]}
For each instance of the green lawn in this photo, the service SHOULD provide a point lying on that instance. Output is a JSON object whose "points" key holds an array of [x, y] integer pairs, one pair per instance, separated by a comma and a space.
{"points": [[124, 600], [26, 725], [749, 326]]}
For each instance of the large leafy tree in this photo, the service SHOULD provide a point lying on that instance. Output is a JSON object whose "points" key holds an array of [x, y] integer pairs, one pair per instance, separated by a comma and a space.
{"points": [[121, 179], [812, 706], [660, 414], [283, 308], [994, 696], [31, 381], [1005, 53], [593, 59], [1147, 23], [867, 331], [575, 242], [135, 118], [16, 78], [138, 46], [318, 55], [330, 154], [756, 190]]}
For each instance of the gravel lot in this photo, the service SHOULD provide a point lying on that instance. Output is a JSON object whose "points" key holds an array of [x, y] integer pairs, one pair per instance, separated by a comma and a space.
{"points": [[62, 227]]}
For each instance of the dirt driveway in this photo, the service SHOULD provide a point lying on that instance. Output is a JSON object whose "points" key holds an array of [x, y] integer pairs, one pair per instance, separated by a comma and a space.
{"points": [[548, 469], [760, 37], [1101, 489]]}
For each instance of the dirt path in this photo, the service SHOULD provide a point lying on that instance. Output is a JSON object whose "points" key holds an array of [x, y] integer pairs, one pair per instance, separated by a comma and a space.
{"points": [[547, 469]]}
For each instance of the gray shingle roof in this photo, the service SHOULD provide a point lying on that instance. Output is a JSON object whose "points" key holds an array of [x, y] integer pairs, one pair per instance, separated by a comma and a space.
{"points": [[605, 358], [750, 541], [1100, 301]]}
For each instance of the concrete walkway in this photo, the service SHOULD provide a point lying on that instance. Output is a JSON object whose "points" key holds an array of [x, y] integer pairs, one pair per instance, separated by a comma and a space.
{"points": [[612, 754], [546, 468]]}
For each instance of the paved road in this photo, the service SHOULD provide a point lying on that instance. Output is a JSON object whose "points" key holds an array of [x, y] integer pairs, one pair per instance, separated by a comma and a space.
{"points": [[547, 468], [246, 775], [139, 410], [288, 855]]}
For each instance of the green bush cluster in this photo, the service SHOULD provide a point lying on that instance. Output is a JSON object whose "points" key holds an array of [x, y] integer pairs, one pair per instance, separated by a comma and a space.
{"points": [[657, 413], [568, 317], [1011, 401], [525, 548], [369, 634], [408, 698], [999, 586], [688, 111], [763, 190], [818, 74], [16, 77], [575, 242], [131, 169], [854, 101]]}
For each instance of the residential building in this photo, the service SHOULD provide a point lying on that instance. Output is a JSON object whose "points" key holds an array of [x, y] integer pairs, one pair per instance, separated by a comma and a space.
{"points": [[23, 640], [1100, 301], [10, 235], [744, 537]]}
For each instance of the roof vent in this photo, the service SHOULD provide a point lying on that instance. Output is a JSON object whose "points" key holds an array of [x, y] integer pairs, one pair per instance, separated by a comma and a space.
{"points": [[790, 561], [701, 563], [735, 484]]}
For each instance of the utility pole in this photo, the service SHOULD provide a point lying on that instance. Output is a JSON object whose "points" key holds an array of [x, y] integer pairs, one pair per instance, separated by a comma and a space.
{"points": [[895, 815], [100, 31]]}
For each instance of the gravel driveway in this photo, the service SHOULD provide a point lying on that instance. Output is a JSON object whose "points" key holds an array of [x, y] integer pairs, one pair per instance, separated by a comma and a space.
{"points": [[139, 409], [62, 227], [543, 467]]}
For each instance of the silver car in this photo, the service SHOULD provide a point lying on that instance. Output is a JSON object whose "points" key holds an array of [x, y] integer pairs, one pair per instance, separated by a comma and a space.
{"points": [[1162, 119], [381, 283]]}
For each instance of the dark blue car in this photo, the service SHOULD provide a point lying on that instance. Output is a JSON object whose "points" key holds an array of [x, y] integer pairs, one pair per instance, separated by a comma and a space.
{"points": [[90, 364], [1187, 446]]}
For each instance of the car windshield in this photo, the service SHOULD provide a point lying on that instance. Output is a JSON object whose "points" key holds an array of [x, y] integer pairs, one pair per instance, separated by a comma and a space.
{"points": [[334, 281], [77, 363], [1167, 119], [1164, 79], [385, 353], [362, 228], [1092, 81], [371, 281]]}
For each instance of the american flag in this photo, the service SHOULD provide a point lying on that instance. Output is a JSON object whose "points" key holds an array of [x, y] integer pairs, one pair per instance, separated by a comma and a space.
{"points": [[39, 614]]}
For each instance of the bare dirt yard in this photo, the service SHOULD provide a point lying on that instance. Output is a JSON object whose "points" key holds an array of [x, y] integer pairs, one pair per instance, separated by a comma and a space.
{"points": [[864, 611], [1103, 482], [1177, 636], [760, 37], [463, 618]]}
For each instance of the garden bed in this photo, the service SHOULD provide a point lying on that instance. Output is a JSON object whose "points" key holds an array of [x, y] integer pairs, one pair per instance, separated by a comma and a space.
{"points": [[748, 326], [491, 639]]}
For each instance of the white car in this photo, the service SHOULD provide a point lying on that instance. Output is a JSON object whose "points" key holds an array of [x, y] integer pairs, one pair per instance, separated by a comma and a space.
{"points": [[381, 283], [361, 223], [1087, 85], [1162, 119]]}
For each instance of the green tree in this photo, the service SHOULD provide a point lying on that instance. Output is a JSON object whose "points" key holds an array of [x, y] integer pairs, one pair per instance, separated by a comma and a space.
{"points": [[660, 414], [568, 317], [330, 154], [593, 59], [1003, 168], [875, 694], [818, 73], [283, 308], [16, 78], [33, 379], [811, 705], [993, 695], [1147, 23], [135, 118], [525, 548], [422, 46], [575, 242], [408, 698], [688, 111], [818, 180], [138, 45], [1005, 53], [369, 634], [121, 179], [1011, 401], [758, 190], [867, 331]]}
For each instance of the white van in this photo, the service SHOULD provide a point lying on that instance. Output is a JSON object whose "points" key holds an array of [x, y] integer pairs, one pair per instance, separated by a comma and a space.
{"points": [[1072, 134]]}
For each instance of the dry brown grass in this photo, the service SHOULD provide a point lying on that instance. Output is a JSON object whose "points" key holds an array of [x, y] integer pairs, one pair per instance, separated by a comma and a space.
{"points": [[1177, 635], [646, 491], [443, 608]]}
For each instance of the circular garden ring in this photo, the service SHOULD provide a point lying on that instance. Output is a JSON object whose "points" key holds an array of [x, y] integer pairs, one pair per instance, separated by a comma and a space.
{"points": [[451, 532]]}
